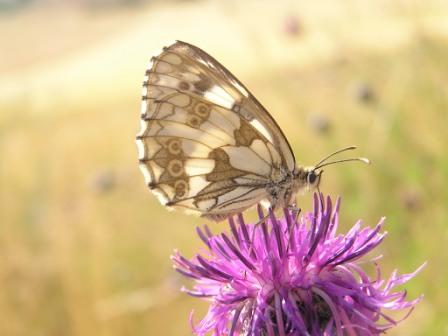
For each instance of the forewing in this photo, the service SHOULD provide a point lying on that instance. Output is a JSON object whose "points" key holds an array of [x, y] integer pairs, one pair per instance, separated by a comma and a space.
{"points": [[206, 144], [187, 68]]}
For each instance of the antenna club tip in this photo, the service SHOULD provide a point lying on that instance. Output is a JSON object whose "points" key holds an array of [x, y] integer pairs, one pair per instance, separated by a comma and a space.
{"points": [[365, 160]]}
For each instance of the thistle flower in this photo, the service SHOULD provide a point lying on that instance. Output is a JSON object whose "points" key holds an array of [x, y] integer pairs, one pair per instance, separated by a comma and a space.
{"points": [[293, 276]]}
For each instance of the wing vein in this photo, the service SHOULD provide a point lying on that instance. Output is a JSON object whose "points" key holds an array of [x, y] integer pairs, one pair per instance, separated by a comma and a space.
{"points": [[184, 124], [229, 188], [179, 137], [235, 199]]}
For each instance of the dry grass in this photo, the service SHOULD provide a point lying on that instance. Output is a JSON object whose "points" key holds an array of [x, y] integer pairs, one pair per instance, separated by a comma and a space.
{"points": [[84, 247]]}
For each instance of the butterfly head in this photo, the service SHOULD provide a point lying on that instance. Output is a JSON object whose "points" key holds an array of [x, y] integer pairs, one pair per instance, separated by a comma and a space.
{"points": [[308, 178], [312, 177]]}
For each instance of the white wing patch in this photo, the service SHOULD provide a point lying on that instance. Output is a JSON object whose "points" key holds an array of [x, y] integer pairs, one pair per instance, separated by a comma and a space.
{"points": [[197, 183], [145, 173], [141, 150], [199, 166], [206, 205], [156, 171], [219, 96], [246, 159], [180, 130], [193, 148], [161, 196], [242, 196], [229, 123], [144, 106], [259, 127], [260, 148]]}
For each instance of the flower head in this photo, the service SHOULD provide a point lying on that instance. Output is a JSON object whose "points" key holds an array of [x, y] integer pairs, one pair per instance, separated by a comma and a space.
{"points": [[293, 276]]}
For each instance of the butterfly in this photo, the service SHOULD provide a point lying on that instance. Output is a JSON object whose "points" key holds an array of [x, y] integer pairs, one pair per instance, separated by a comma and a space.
{"points": [[208, 146]]}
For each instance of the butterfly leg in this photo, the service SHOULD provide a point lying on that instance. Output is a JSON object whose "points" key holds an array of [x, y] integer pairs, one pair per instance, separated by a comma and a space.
{"points": [[296, 212], [262, 220]]}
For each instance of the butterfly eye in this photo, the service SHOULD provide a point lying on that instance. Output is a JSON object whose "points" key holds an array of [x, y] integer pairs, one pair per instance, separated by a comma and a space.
{"points": [[311, 177]]}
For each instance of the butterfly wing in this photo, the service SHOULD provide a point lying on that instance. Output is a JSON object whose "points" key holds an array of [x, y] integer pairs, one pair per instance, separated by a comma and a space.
{"points": [[206, 144]]}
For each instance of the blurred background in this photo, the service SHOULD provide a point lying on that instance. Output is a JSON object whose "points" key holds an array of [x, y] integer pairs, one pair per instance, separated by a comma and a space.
{"points": [[84, 246]]}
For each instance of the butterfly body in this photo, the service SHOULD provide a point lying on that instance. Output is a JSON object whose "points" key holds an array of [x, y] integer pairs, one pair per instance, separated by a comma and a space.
{"points": [[206, 144], [282, 192]]}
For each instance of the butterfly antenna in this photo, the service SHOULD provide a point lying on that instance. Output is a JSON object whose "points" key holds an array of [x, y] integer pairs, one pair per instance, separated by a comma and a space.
{"points": [[361, 159], [333, 154]]}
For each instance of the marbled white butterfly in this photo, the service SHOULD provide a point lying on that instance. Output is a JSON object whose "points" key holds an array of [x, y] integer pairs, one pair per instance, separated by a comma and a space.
{"points": [[207, 145]]}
